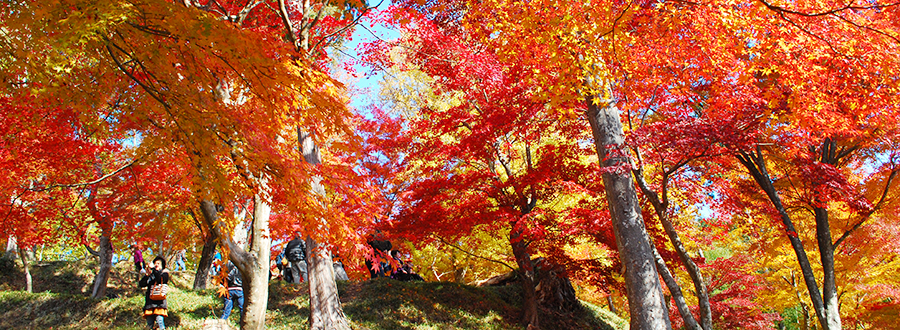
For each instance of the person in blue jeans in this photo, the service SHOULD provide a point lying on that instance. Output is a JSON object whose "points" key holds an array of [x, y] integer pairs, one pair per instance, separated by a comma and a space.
{"points": [[235, 297]]}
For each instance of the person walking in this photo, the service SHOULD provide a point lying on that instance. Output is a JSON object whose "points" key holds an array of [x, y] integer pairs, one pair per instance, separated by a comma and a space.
{"points": [[138, 259], [155, 310], [235, 297], [179, 260], [296, 255]]}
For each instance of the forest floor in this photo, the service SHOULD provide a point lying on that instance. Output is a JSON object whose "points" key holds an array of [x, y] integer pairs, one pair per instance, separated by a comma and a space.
{"points": [[62, 301]]}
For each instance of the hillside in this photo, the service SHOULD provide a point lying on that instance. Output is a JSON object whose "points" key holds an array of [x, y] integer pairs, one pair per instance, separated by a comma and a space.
{"points": [[60, 302]]}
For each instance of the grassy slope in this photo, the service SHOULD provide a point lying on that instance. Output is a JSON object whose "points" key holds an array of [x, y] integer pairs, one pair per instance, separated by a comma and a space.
{"points": [[384, 304]]}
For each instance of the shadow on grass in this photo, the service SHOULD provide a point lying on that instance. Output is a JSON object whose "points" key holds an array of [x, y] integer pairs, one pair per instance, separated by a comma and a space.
{"points": [[388, 304]]}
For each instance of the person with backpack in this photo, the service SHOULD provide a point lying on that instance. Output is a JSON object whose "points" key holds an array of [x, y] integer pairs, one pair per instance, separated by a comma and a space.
{"points": [[295, 251], [284, 267], [235, 296], [155, 306]]}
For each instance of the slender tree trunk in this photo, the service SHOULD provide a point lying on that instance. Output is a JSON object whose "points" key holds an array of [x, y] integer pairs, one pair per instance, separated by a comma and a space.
{"points": [[689, 321], [28, 283], [804, 309], [694, 272], [661, 206], [612, 306], [756, 165], [526, 270], [324, 304], [826, 253], [644, 292], [100, 281]]}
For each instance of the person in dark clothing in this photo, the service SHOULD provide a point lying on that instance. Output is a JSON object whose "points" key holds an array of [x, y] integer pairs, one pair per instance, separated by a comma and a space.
{"points": [[155, 311], [282, 264], [403, 270], [295, 251], [235, 297], [138, 258], [380, 254]]}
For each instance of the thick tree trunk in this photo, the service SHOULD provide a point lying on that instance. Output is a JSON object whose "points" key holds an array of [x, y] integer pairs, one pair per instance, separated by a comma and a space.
{"points": [[756, 165], [201, 279], [325, 311], [253, 265], [28, 283], [644, 292], [100, 281], [526, 269], [256, 267], [325, 307]]}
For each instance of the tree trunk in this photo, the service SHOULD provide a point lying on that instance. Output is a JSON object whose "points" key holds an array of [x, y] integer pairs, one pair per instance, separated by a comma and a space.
{"points": [[254, 265], [826, 253], [689, 321], [201, 279], [325, 306], [661, 208], [612, 306], [644, 292], [756, 165], [526, 269], [100, 281], [28, 283], [325, 311], [11, 248], [694, 272]]}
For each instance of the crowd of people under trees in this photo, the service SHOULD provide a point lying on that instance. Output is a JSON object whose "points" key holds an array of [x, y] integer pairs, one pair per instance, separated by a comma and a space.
{"points": [[290, 265]]}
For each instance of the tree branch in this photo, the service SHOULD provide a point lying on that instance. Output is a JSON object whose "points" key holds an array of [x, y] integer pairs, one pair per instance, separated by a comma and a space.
{"points": [[875, 208], [475, 255]]}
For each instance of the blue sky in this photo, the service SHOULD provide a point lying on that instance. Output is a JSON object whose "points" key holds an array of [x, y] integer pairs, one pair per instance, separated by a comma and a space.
{"points": [[366, 82]]}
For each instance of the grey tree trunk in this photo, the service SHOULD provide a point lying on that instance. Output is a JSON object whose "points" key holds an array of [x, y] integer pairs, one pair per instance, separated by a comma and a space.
{"points": [[11, 248], [256, 267], [100, 281], [661, 208], [253, 265], [644, 292], [689, 321], [694, 272], [201, 279], [28, 283], [612, 306], [325, 311]]}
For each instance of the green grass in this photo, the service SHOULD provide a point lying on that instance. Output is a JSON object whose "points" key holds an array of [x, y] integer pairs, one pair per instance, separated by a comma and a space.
{"points": [[377, 305]]}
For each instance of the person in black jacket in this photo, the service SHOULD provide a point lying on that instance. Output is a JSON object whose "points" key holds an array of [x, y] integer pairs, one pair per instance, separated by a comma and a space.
{"points": [[295, 251], [235, 295], [379, 260], [155, 311]]}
